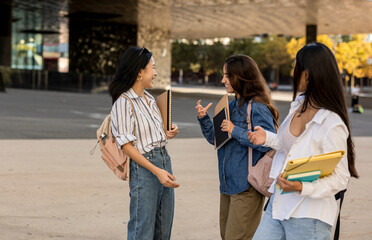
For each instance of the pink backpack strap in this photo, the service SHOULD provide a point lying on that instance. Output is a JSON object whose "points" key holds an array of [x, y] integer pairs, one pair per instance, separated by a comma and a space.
{"points": [[131, 104]]}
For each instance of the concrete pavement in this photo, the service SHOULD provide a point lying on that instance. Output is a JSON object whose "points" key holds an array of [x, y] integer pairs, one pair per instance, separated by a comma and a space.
{"points": [[53, 189], [284, 93], [35, 114], [220, 91]]}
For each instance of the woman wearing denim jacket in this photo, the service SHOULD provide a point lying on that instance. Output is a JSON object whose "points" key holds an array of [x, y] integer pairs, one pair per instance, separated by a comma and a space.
{"points": [[317, 123], [240, 204], [139, 132]]}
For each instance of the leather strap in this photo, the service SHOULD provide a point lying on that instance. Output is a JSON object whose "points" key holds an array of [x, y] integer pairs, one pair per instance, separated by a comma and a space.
{"points": [[131, 104], [249, 121], [339, 195]]}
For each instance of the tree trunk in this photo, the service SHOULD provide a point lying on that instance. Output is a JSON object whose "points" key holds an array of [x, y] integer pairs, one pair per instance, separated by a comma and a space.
{"points": [[180, 77], [2, 85], [276, 75]]}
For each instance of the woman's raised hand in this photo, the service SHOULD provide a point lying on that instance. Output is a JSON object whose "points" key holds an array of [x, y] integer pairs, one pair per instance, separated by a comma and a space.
{"points": [[258, 137], [202, 111]]}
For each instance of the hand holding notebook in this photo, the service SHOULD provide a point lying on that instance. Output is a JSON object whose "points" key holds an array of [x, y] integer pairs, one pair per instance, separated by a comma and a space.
{"points": [[311, 168], [301, 177]]}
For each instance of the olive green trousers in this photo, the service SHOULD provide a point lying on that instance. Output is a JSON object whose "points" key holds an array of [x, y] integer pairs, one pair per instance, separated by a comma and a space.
{"points": [[240, 214]]}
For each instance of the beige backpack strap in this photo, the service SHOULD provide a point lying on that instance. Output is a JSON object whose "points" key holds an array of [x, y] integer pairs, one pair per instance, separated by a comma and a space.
{"points": [[249, 121], [131, 104]]}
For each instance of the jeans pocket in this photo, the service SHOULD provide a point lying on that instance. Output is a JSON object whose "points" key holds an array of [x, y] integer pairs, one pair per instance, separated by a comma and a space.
{"points": [[149, 156]]}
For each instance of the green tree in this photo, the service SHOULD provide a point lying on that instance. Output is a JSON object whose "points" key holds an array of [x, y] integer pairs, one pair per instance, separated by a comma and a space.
{"points": [[183, 55], [275, 56], [243, 46], [211, 58]]}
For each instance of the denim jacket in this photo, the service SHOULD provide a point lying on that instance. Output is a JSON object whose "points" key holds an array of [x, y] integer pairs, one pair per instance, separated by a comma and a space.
{"points": [[233, 156]]}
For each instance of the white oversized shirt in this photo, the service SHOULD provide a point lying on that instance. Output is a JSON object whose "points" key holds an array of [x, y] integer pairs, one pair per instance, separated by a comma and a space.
{"points": [[326, 132]]}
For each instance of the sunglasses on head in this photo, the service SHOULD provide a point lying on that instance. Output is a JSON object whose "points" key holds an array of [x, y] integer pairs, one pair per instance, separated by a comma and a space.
{"points": [[142, 51]]}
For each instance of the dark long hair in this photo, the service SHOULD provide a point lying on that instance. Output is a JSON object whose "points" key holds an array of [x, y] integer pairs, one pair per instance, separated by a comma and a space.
{"points": [[131, 62], [324, 89], [247, 81]]}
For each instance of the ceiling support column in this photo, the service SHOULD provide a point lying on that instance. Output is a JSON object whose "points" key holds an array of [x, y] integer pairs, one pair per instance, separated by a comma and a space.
{"points": [[312, 7], [154, 32], [5, 32], [311, 32]]}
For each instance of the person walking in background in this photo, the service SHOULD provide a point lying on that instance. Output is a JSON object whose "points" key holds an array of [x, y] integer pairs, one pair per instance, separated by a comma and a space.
{"points": [[240, 204], [317, 123], [355, 99], [141, 136]]}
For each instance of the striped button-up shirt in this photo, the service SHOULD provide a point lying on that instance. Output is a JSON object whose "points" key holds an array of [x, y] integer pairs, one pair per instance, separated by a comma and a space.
{"points": [[144, 127]]}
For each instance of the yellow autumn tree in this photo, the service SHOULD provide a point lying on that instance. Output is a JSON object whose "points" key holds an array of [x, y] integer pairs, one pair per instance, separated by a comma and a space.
{"points": [[327, 40], [294, 45], [352, 56]]}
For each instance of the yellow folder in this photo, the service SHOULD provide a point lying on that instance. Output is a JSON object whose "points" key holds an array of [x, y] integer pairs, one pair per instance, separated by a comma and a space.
{"points": [[326, 163]]}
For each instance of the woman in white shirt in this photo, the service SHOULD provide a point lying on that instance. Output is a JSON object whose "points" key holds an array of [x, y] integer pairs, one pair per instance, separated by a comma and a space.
{"points": [[317, 123], [139, 132]]}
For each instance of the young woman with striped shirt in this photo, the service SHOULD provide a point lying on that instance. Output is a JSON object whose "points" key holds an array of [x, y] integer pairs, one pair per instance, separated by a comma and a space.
{"points": [[141, 135]]}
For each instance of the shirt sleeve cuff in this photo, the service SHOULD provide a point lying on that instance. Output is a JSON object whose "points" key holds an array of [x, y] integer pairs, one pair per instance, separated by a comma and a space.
{"points": [[269, 138], [307, 189], [237, 132], [124, 139], [203, 119]]}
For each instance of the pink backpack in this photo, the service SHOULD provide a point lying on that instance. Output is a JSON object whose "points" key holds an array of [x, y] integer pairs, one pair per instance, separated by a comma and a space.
{"points": [[259, 175], [114, 157]]}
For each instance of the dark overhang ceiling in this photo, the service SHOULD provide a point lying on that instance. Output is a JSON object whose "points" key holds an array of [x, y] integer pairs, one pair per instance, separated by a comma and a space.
{"points": [[208, 18]]}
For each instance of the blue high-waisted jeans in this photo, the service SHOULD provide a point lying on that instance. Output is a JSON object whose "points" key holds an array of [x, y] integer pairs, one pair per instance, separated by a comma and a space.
{"points": [[291, 229], [151, 204]]}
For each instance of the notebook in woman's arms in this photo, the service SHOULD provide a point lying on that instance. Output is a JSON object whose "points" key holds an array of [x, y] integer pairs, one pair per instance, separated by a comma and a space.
{"points": [[326, 163], [164, 102], [220, 137]]}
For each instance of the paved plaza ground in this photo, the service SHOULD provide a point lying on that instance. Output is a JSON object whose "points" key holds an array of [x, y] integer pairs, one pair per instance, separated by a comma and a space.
{"points": [[53, 189]]}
